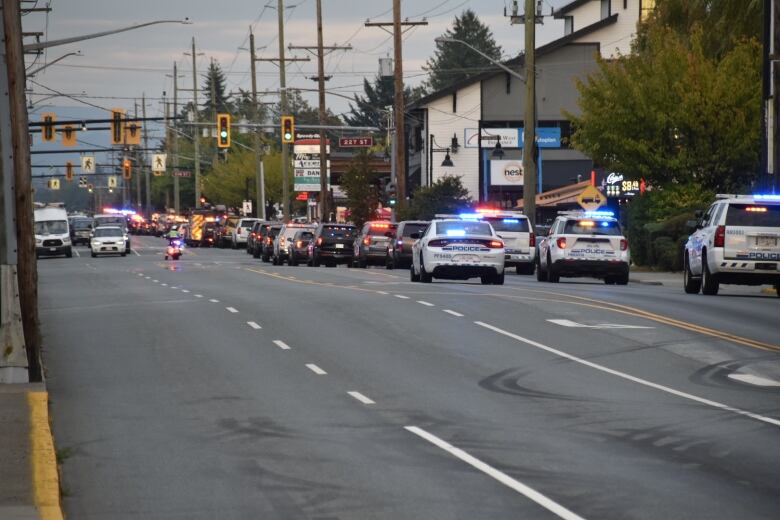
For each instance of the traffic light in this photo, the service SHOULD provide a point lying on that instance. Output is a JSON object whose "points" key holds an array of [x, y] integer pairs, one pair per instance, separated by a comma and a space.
{"points": [[127, 169], [117, 126], [391, 191], [68, 135], [48, 132], [68, 171], [223, 130], [288, 129]]}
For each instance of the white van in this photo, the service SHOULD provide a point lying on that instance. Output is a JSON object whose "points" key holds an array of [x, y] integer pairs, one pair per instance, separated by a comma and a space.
{"points": [[52, 232]]}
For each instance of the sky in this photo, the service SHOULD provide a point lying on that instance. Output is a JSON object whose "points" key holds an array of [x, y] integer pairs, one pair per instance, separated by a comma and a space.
{"points": [[116, 70]]}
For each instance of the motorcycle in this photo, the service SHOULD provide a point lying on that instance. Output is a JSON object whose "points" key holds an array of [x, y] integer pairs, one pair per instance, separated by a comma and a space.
{"points": [[174, 249]]}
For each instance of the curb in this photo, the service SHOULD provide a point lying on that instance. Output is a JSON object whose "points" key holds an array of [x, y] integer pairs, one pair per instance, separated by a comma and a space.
{"points": [[644, 282], [769, 290], [46, 482]]}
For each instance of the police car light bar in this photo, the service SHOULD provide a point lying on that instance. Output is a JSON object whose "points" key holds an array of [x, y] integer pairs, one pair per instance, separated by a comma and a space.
{"points": [[768, 196], [471, 216], [587, 214]]}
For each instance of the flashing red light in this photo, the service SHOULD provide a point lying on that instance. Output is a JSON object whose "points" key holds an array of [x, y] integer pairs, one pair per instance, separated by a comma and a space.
{"points": [[496, 244], [319, 241], [367, 241], [720, 236], [623, 244], [561, 243], [380, 225]]}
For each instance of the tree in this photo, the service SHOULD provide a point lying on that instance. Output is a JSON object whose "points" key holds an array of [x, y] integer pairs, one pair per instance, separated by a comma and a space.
{"points": [[361, 185], [451, 62], [446, 195], [215, 81], [369, 109], [674, 114]]}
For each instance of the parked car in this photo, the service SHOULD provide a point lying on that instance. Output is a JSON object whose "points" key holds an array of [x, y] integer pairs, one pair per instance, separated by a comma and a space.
{"points": [[226, 232], [332, 244], [268, 242], [399, 251], [299, 249], [259, 241], [371, 244], [284, 242], [240, 233], [251, 239], [52, 235]]}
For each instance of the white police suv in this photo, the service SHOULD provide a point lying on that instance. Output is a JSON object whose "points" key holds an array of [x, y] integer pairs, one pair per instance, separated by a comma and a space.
{"points": [[737, 241], [584, 243], [458, 249], [514, 229]]}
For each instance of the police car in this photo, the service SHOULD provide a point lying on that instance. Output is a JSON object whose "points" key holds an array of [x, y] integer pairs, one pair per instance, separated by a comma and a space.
{"points": [[514, 228], [737, 241], [584, 244], [458, 249]]}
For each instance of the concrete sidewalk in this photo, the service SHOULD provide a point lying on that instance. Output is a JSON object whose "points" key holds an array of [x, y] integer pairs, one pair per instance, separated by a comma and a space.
{"points": [[29, 485]]}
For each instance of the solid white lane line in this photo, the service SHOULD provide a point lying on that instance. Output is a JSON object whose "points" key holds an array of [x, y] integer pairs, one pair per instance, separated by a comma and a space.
{"points": [[631, 378], [314, 368], [459, 315], [401, 296], [360, 397], [231, 309], [502, 477], [214, 300], [382, 292], [753, 380], [281, 344], [185, 290], [254, 325], [134, 251], [198, 296], [427, 304], [574, 324]]}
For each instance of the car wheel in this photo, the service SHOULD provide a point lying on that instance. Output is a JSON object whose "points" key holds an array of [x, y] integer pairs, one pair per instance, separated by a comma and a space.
{"points": [[412, 276], [690, 284], [425, 277], [499, 279], [552, 274], [124, 254], [315, 262], [609, 280], [541, 276], [94, 255], [622, 279], [485, 279], [69, 252], [524, 269], [709, 282], [389, 264]]}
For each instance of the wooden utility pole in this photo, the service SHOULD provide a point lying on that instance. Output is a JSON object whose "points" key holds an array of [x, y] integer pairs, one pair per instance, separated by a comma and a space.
{"points": [[529, 122], [196, 130], [27, 269], [259, 173], [143, 165], [774, 66], [175, 134], [399, 108], [137, 157]]}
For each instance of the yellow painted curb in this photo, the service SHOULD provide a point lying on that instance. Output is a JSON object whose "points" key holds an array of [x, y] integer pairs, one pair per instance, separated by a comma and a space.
{"points": [[46, 481], [769, 290]]}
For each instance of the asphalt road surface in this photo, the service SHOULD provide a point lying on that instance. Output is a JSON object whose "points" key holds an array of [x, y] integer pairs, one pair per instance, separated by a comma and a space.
{"points": [[219, 387]]}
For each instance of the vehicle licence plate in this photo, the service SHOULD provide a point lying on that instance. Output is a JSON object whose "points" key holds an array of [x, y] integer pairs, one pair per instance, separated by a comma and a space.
{"points": [[339, 246], [52, 249], [466, 259], [766, 241]]}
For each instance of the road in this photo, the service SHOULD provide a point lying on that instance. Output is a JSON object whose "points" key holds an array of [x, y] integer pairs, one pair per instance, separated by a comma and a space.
{"points": [[221, 387]]}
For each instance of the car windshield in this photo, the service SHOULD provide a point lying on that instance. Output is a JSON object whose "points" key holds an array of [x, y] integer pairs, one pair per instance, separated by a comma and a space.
{"points": [[274, 231], [593, 227], [338, 232], [81, 224], [51, 227], [755, 215], [413, 228], [462, 228], [108, 232], [306, 235], [102, 221], [510, 224]]}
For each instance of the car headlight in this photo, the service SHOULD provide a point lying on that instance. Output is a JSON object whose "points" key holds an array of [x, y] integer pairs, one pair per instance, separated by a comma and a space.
{"points": [[38, 241], [66, 240], [96, 242]]}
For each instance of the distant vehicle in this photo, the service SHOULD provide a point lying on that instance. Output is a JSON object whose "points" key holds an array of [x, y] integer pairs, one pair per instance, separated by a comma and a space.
{"points": [[584, 243], [332, 244], [519, 240], [112, 219], [80, 230], [196, 224], [52, 232], [108, 240], [240, 233], [371, 243], [251, 239], [261, 232], [174, 249], [267, 248], [736, 241], [399, 251], [226, 230], [458, 249], [284, 242], [209, 234], [299, 248]]}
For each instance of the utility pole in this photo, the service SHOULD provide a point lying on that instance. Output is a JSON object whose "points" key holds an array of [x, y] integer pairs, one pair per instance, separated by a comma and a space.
{"points": [[214, 111], [399, 142], [196, 139], [773, 148], [137, 154], [259, 173], [175, 133], [147, 180], [321, 79]]}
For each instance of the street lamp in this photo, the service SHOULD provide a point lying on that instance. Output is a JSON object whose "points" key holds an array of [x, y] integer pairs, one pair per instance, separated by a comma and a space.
{"points": [[446, 163]]}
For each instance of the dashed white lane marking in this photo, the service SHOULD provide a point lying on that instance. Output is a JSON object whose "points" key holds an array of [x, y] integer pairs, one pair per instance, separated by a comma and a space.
{"points": [[214, 300], [164, 284], [140, 274], [314, 368], [360, 397], [155, 281], [281, 344], [198, 296], [231, 309], [148, 277], [382, 292], [185, 290], [401, 296], [254, 325], [459, 315], [427, 304], [753, 380], [78, 255], [135, 252], [714, 404], [502, 477]]}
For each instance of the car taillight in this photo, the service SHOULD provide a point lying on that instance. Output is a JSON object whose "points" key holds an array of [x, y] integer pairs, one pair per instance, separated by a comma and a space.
{"points": [[720, 236], [623, 244], [319, 241], [437, 243], [495, 244], [561, 243], [367, 241], [299, 243], [532, 240]]}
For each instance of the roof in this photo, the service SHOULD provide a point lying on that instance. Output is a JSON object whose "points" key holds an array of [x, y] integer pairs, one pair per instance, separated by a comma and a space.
{"points": [[571, 6], [518, 61], [563, 195]]}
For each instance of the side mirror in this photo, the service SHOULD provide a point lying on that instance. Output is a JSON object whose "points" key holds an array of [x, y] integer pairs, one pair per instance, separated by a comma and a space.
{"points": [[415, 236]]}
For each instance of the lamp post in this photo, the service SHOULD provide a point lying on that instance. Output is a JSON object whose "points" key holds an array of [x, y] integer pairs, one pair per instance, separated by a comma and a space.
{"points": [[446, 163]]}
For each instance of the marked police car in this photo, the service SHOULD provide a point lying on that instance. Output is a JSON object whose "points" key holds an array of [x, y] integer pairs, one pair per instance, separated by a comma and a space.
{"points": [[737, 241], [584, 244], [458, 249], [519, 240]]}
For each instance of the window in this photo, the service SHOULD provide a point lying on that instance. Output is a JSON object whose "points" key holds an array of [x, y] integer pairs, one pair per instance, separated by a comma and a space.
{"points": [[646, 8], [756, 215], [51, 227], [516, 225], [462, 228], [605, 8], [414, 228], [568, 25]]}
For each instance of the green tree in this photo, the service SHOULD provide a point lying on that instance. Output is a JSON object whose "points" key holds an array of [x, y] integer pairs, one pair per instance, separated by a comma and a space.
{"points": [[369, 109], [215, 81], [361, 185], [446, 195], [672, 114], [452, 62]]}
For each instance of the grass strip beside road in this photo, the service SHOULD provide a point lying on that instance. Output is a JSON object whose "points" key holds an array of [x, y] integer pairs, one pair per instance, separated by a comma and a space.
{"points": [[46, 483]]}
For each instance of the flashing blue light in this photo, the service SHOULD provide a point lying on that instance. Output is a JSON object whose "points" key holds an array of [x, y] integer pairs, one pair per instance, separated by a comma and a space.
{"points": [[769, 196], [511, 221], [599, 213], [605, 223], [471, 216], [456, 232]]}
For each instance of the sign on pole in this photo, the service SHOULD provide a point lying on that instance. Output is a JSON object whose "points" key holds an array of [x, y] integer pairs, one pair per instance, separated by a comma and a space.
{"points": [[158, 162], [247, 207], [591, 199], [82, 182], [356, 142], [87, 164], [112, 182], [182, 173]]}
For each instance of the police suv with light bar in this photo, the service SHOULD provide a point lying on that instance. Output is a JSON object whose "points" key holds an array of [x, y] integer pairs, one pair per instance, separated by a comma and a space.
{"points": [[737, 241], [584, 243], [458, 249], [514, 228]]}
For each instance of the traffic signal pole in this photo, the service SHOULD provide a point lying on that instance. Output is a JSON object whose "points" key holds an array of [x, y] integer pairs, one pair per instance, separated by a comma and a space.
{"points": [[147, 180], [175, 134]]}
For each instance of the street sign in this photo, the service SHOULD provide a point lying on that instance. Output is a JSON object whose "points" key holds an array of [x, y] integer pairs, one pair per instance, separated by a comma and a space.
{"points": [[54, 184], [158, 162], [591, 199], [87, 164], [112, 181], [356, 142], [82, 182], [182, 173], [247, 207]]}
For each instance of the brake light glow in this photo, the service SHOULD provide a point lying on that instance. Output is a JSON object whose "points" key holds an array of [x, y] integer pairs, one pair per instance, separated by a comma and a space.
{"points": [[586, 223], [367, 241], [319, 241], [720, 236], [623, 244], [532, 240], [561, 243], [495, 244], [756, 209], [299, 243]]}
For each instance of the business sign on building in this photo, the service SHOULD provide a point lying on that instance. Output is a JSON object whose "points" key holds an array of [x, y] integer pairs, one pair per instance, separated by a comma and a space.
{"points": [[306, 163], [506, 173], [617, 186], [546, 137]]}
